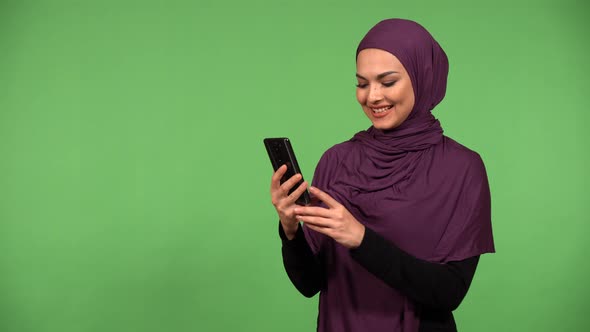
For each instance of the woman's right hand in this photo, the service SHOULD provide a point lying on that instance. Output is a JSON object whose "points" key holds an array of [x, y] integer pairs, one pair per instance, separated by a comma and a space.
{"points": [[285, 203]]}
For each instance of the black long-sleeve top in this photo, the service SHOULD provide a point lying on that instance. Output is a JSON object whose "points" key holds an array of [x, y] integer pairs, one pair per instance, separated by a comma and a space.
{"points": [[437, 288]]}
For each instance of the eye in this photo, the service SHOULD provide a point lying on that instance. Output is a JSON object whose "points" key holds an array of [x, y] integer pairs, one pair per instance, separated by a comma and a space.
{"points": [[388, 84], [361, 85]]}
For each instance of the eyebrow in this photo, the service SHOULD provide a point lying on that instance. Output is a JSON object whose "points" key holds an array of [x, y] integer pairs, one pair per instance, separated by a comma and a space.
{"points": [[380, 76]]}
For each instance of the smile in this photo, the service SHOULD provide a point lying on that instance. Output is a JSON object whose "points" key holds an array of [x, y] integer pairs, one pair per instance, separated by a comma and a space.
{"points": [[382, 109]]}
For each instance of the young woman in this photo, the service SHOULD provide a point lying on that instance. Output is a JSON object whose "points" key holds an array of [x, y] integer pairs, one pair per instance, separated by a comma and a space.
{"points": [[404, 211]]}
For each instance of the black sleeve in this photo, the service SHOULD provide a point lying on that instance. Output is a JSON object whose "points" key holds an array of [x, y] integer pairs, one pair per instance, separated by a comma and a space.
{"points": [[434, 286], [302, 266]]}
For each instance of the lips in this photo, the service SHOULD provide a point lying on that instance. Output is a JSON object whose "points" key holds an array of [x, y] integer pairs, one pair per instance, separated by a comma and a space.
{"points": [[381, 111]]}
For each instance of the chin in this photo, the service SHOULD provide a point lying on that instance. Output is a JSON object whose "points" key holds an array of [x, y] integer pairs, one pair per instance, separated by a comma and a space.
{"points": [[385, 126]]}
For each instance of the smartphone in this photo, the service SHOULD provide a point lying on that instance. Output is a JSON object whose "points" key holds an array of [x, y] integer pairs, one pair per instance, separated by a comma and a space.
{"points": [[281, 152]]}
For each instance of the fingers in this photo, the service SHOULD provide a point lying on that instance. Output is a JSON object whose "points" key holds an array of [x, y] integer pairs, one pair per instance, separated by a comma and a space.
{"points": [[275, 182], [313, 211], [322, 196], [280, 196], [297, 192], [287, 185], [316, 221]]}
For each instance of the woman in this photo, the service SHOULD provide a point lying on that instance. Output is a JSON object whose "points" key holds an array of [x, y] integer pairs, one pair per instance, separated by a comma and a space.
{"points": [[405, 210]]}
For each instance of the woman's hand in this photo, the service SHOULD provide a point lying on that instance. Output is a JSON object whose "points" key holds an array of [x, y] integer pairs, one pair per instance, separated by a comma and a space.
{"points": [[285, 203], [335, 221]]}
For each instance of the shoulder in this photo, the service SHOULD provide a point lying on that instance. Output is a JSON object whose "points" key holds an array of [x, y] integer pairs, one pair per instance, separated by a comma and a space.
{"points": [[461, 158], [335, 157], [340, 151]]}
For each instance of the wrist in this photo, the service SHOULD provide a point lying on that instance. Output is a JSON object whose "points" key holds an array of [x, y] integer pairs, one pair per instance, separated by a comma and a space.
{"points": [[290, 229], [360, 235]]}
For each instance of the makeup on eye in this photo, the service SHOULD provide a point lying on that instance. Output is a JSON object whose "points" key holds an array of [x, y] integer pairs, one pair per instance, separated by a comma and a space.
{"points": [[386, 84], [379, 77]]}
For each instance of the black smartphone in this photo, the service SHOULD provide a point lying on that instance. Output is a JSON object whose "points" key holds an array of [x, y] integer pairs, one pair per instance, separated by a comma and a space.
{"points": [[281, 152]]}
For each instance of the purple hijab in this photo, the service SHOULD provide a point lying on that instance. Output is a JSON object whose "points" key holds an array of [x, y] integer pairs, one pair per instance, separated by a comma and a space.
{"points": [[412, 185]]}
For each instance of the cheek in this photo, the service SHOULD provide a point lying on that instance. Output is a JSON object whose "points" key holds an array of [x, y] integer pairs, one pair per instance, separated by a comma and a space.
{"points": [[408, 95], [361, 96], [401, 96]]}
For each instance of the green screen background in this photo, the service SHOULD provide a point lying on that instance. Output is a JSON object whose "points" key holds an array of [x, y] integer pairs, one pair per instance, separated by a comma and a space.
{"points": [[134, 183]]}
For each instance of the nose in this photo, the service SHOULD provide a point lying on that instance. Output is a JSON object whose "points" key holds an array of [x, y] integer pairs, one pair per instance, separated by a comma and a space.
{"points": [[375, 94]]}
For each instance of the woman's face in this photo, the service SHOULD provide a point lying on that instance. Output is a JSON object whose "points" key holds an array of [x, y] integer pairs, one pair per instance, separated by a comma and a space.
{"points": [[384, 89]]}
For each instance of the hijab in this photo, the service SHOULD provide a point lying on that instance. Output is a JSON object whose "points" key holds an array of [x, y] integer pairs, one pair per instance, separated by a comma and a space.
{"points": [[420, 190]]}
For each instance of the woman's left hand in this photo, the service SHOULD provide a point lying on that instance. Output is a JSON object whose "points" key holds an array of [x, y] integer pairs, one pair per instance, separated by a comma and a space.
{"points": [[335, 221]]}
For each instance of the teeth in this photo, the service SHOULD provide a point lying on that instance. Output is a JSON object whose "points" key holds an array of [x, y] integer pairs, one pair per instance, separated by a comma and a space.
{"points": [[381, 110]]}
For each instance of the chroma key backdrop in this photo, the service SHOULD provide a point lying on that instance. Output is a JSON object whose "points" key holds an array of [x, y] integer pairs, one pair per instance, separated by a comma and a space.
{"points": [[134, 185]]}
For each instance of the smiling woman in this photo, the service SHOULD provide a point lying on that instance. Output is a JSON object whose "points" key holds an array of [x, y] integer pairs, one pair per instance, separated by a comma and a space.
{"points": [[403, 211]]}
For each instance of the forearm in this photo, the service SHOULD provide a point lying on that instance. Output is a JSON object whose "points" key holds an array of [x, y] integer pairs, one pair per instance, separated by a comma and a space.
{"points": [[302, 266], [433, 285]]}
